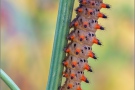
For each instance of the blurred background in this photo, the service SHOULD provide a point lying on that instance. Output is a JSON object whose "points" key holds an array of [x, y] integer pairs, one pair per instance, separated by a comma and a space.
{"points": [[27, 33]]}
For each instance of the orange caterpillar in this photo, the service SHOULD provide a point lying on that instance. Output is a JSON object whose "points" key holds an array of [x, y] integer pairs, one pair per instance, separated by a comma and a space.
{"points": [[82, 38]]}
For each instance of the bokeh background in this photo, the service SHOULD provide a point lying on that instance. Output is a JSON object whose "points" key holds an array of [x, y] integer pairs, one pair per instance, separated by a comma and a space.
{"points": [[27, 32]]}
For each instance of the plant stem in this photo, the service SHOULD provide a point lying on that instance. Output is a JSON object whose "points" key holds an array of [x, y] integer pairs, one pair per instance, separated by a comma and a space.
{"points": [[62, 30], [8, 80]]}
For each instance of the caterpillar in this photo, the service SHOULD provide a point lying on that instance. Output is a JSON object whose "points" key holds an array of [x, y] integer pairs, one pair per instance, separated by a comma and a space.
{"points": [[81, 39]]}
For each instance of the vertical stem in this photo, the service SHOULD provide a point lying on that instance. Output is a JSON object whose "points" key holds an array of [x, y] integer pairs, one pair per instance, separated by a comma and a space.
{"points": [[8, 80], [62, 30]]}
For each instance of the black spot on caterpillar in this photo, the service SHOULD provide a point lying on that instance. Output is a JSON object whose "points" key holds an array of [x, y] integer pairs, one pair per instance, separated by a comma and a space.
{"points": [[81, 38]]}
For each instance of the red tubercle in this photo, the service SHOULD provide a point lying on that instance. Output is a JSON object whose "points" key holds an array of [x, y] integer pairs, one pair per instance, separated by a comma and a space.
{"points": [[77, 51], [65, 63], [79, 88], [92, 3], [92, 55], [103, 5], [83, 78], [97, 26], [80, 10], [76, 24], [72, 37], [67, 50], [95, 40], [100, 15], [84, 2], [85, 24], [81, 37], [90, 11], [74, 63], [72, 76], [86, 67], [65, 74], [70, 86]]}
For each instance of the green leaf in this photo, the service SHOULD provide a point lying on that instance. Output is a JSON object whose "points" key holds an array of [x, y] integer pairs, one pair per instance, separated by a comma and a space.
{"points": [[8, 80]]}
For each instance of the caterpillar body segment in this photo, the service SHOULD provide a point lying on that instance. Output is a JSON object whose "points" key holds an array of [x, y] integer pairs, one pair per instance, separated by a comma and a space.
{"points": [[89, 12], [81, 39], [75, 75], [80, 50], [83, 23], [71, 85], [75, 63], [94, 4]]}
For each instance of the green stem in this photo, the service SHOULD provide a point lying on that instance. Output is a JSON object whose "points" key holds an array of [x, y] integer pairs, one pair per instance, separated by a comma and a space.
{"points": [[8, 80], [62, 30]]}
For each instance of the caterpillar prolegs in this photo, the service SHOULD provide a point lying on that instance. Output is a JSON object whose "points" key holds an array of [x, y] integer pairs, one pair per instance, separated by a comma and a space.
{"points": [[81, 38]]}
